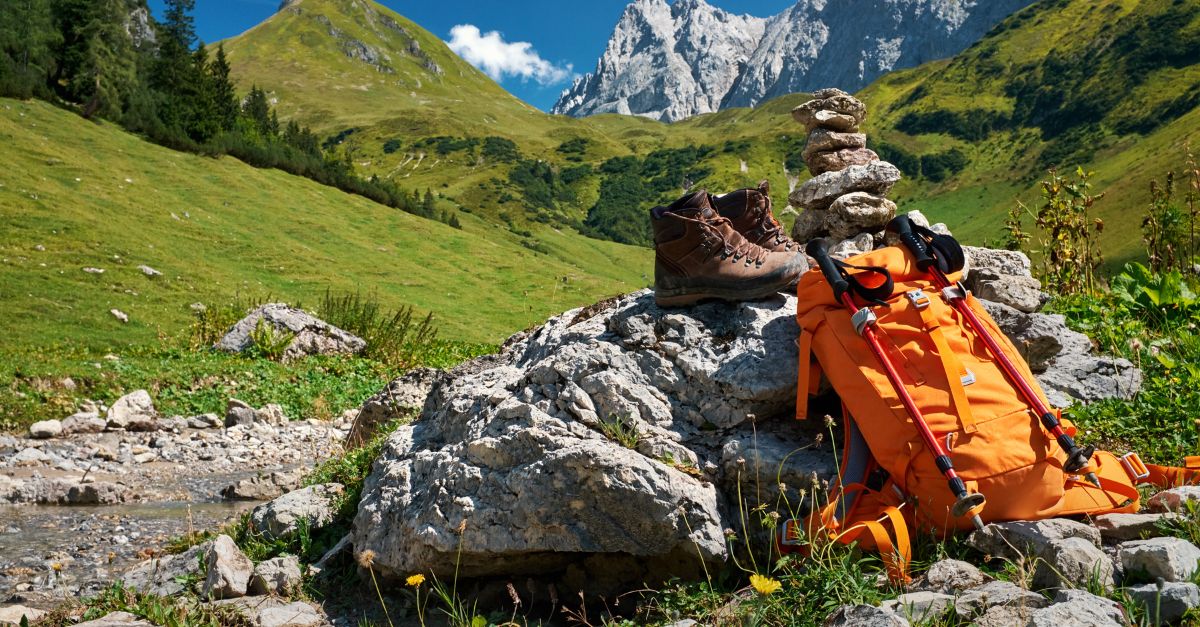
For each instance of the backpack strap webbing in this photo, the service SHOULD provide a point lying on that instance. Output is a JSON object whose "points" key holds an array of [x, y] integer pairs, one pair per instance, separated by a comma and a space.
{"points": [[957, 376]]}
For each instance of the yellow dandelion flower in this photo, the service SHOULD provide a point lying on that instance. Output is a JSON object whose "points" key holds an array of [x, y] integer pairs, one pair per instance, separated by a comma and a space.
{"points": [[416, 580], [764, 585]]}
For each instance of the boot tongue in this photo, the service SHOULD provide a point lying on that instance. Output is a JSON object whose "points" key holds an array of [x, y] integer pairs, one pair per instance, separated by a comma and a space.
{"points": [[695, 206]]}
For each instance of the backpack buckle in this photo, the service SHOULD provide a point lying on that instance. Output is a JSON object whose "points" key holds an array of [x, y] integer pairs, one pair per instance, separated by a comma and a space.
{"points": [[1133, 464], [862, 318], [789, 534], [917, 298], [954, 292]]}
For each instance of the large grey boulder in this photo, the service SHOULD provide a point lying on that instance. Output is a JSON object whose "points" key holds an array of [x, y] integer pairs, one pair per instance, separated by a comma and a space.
{"points": [[1063, 553], [1123, 527], [994, 594], [820, 191], [404, 396], [1168, 602], [168, 575], [865, 616], [1171, 559], [312, 506], [857, 212], [1078, 608], [45, 429], [985, 261], [608, 445], [311, 335], [228, 570], [922, 607], [279, 576], [135, 407], [950, 576]]}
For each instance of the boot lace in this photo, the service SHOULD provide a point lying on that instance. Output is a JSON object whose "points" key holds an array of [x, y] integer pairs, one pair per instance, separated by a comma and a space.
{"points": [[736, 251], [772, 230]]}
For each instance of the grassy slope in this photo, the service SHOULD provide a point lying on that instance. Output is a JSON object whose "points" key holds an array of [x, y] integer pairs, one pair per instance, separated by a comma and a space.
{"points": [[93, 195]]}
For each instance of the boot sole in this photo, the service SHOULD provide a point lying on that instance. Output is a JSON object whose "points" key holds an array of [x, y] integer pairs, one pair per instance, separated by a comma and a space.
{"points": [[684, 296]]}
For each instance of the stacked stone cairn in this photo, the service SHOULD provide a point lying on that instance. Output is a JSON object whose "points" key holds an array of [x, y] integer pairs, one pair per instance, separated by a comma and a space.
{"points": [[845, 201]]}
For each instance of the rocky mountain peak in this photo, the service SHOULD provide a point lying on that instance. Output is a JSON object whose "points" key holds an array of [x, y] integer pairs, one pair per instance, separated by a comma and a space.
{"points": [[671, 61]]}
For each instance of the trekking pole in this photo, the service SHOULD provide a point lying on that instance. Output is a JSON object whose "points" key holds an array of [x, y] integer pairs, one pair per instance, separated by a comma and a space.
{"points": [[1077, 457], [864, 323]]}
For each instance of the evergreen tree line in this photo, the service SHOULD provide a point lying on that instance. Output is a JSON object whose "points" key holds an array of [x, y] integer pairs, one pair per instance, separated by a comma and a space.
{"points": [[157, 79]]}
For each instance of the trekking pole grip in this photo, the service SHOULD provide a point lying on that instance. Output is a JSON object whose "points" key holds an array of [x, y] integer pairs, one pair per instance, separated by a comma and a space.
{"points": [[819, 251], [902, 227]]}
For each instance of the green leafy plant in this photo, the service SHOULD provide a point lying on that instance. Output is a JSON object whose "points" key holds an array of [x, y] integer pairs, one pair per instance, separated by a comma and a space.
{"points": [[1070, 243], [269, 342], [1162, 298], [621, 429]]}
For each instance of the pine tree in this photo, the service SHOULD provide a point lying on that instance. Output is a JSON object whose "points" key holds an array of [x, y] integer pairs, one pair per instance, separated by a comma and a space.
{"points": [[257, 111], [174, 69], [27, 41], [203, 120], [223, 94], [429, 206], [454, 221]]}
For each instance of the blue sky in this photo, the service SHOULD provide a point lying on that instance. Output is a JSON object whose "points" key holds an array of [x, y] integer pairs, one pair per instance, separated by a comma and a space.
{"points": [[567, 36]]}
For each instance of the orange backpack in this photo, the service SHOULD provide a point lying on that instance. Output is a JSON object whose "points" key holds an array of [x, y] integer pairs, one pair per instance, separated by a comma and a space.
{"points": [[889, 481]]}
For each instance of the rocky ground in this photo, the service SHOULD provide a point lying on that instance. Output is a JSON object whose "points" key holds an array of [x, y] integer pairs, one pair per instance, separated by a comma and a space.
{"points": [[88, 498]]}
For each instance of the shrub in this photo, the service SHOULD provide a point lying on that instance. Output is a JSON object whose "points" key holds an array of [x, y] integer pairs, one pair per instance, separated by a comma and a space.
{"points": [[396, 338]]}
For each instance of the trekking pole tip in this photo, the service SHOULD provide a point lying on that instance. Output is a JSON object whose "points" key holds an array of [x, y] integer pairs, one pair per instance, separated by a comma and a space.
{"points": [[977, 521], [1092, 479]]}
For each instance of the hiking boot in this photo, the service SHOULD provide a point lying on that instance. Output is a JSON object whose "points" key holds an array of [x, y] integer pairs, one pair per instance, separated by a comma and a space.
{"points": [[698, 255], [749, 210]]}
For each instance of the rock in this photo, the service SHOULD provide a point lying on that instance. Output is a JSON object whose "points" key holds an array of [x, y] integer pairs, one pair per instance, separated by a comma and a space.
{"points": [[91, 270], [1174, 499], [1003, 616], [12, 614], [834, 160], [311, 506], [843, 112], [1170, 602], [83, 422], [537, 441], [45, 429], [404, 396], [920, 606], [116, 619], [822, 140], [238, 413], [168, 575], [1073, 562], [280, 576], [297, 614], [311, 336], [857, 245], [119, 315], [996, 593], [1078, 608], [228, 570], [135, 406], [1172, 559], [856, 212], [820, 191], [205, 421], [950, 576], [29, 457], [1021, 293], [69, 492], [1123, 527], [864, 616], [263, 487], [150, 272], [1064, 551], [993, 261], [1037, 337], [271, 414], [1072, 377], [809, 224]]}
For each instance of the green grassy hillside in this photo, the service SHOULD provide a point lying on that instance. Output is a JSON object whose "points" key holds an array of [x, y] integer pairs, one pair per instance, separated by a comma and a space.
{"points": [[92, 195], [1111, 85]]}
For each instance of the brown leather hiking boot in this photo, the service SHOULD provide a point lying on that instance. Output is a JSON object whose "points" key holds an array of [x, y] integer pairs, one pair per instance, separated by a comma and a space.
{"points": [[749, 210], [699, 255]]}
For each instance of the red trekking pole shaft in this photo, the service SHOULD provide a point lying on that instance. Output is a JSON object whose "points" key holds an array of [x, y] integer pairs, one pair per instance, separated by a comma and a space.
{"points": [[864, 321], [1077, 457]]}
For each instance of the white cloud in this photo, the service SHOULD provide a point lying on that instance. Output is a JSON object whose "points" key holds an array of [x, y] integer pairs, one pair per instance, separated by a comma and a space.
{"points": [[498, 58]]}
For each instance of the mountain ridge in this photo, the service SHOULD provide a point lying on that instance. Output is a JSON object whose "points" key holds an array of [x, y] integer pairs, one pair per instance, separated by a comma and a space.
{"points": [[813, 44]]}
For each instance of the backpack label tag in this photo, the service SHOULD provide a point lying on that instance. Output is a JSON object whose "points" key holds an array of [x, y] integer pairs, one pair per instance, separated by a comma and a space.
{"points": [[969, 378]]}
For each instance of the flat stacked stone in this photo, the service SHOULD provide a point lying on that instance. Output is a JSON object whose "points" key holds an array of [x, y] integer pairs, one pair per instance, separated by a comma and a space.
{"points": [[846, 197]]}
